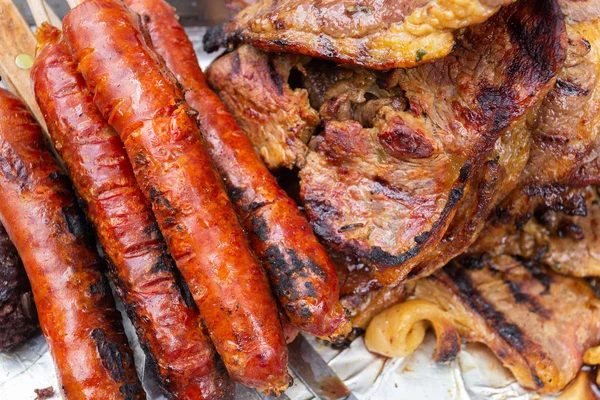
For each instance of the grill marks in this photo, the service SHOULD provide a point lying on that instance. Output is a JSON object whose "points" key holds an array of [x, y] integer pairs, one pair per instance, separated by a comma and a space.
{"points": [[428, 190]]}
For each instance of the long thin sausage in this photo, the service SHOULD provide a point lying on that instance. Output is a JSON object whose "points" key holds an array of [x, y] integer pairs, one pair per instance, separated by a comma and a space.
{"points": [[75, 308], [140, 98], [170, 331], [299, 268]]}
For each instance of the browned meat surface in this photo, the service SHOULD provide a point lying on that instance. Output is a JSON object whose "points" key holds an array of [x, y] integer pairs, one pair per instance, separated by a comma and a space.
{"points": [[278, 119], [564, 129], [589, 172], [371, 33], [580, 10], [386, 190], [362, 295], [564, 235], [538, 323], [18, 317]]}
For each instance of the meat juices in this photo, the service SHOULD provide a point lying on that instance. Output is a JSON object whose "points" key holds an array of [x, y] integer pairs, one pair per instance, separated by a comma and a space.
{"points": [[76, 310], [140, 98], [169, 330], [302, 276]]}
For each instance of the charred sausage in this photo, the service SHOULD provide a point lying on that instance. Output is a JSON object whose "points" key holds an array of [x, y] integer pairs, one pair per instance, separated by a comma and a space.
{"points": [[76, 311], [140, 98], [169, 329], [301, 274]]}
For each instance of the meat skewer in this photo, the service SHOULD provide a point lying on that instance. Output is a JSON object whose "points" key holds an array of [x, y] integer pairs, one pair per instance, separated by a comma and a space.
{"points": [[140, 98], [169, 330], [301, 273], [75, 308]]}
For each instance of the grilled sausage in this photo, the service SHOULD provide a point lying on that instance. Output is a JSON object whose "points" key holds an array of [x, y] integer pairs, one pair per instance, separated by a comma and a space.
{"points": [[301, 274], [76, 311], [170, 331], [140, 98], [18, 319]]}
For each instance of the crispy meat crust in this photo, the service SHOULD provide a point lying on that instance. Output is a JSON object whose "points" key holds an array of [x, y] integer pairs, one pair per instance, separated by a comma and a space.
{"points": [[565, 129], [373, 34], [387, 194], [278, 120], [564, 234], [537, 323]]}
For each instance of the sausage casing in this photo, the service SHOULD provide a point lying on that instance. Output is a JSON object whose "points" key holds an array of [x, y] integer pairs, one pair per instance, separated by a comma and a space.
{"points": [[301, 273], [170, 331], [76, 311], [140, 98]]}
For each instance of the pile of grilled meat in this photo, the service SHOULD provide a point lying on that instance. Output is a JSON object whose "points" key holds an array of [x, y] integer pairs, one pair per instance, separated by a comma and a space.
{"points": [[447, 151]]}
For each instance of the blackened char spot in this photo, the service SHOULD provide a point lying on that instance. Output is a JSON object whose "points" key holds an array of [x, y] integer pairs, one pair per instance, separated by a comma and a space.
{"points": [[280, 42], [116, 362], [158, 198], [163, 264], [100, 287], [76, 223], [473, 263], [382, 186], [260, 228], [538, 38], [291, 275], [510, 332], [327, 48], [56, 175], [13, 168], [422, 237], [536, 271], [523, 298], [570, 88], [235, 193]]}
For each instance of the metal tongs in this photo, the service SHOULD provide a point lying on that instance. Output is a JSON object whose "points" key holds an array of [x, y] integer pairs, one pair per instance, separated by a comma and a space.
{"points": [[16, 58]]}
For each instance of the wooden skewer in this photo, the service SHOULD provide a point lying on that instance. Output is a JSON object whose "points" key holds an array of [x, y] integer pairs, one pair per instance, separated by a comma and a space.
{"points": [[16, 57], [74, 3], [42, 12]]}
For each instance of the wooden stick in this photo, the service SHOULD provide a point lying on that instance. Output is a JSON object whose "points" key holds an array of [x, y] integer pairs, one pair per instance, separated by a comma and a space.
{"points": [[42, 12], [16, 57], [74, 3]]}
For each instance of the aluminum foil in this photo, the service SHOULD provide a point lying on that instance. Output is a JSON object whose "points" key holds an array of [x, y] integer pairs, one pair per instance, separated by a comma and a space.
{"points": [[475, 375]]}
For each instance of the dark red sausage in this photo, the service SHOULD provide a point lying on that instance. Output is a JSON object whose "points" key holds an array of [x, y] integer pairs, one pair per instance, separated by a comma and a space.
{"points": [[299, 268], [140, 98], [170, 331], [75, 308]]}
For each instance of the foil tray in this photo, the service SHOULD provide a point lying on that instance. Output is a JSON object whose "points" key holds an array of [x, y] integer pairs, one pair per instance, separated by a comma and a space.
{"points": [[475, 375]]}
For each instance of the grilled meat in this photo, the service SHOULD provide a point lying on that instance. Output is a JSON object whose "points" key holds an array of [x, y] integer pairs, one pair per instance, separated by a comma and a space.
{"points": [[388, 191], [564, 129], [18, 317], [278, 119], [370, 33], [538, 323], [564, 234]]}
